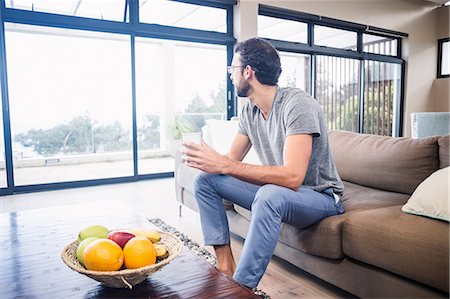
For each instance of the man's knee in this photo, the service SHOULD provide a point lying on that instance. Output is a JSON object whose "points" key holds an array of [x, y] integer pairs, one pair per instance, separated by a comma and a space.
{"points": [[268, 197], [200, 179], [203, 180]]}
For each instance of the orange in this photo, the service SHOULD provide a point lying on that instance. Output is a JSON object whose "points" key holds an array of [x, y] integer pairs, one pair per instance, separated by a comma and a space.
{"points": [[139, 252], [103, 255]]}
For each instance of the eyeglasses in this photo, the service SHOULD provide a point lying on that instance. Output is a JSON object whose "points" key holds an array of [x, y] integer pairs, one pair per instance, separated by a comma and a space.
{"points": [[230, 69]]}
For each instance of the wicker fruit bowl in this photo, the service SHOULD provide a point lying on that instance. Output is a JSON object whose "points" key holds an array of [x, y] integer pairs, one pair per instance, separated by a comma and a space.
{"points": [[126, 278]]}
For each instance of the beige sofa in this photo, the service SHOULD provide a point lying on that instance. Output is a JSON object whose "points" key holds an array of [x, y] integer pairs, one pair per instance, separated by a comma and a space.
{"points": [[373, 250]]}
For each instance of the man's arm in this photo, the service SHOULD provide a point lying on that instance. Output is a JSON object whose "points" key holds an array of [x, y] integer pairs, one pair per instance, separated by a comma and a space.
{"points": [[297, 153], [239, 147]]}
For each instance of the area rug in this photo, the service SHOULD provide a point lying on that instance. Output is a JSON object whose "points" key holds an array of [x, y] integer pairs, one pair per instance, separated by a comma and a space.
{"points": [[196, 248]]}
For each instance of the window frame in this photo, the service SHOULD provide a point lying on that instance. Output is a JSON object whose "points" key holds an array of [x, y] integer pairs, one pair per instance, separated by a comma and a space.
{"points": [[441, 42], [314, 50], [133, 28]]}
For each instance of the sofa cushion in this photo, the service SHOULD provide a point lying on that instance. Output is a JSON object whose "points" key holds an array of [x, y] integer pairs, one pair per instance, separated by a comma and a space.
{"points": [[430, 199], [357, 197], [444, 151], [221, 133], [324, 238], [386, 163], [412, 246]]}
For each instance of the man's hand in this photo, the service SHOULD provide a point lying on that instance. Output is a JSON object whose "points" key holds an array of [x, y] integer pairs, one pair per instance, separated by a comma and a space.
{"points": [[205, 158]]}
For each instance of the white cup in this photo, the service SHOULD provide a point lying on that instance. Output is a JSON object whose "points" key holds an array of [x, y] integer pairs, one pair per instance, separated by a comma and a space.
{"points": [[195, 137]]}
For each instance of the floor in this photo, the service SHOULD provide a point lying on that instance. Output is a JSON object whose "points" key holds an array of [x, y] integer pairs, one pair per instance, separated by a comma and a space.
{"points": [[32, 175], [156, 198]]}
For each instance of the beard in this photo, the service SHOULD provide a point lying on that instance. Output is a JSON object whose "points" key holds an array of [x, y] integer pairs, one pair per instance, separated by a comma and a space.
{"points": [[243, 89]]}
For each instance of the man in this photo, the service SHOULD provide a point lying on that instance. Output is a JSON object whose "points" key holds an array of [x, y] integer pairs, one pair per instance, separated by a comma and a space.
{"points": [[297, 183]]}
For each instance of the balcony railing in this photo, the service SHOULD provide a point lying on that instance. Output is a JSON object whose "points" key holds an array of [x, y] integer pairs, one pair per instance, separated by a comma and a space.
{"points": [[337, 90]]}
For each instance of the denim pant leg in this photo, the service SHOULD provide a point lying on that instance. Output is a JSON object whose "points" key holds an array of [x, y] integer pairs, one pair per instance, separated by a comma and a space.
{"points": [[209, 191], [273, 205]]}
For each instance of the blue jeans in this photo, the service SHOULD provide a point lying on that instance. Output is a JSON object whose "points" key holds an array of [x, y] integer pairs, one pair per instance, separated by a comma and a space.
{"points": [[270, 205]]}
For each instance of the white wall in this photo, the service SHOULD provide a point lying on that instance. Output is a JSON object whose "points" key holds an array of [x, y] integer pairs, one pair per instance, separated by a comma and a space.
{"points": [[441, 86], [418, 18]]}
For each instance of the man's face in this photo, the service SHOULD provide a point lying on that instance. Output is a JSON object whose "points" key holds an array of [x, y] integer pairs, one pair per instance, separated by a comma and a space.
{"points": [[241, 84]]}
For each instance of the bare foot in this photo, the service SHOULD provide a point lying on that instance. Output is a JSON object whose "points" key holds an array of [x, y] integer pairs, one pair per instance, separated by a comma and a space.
{"points": [[225, 260]]}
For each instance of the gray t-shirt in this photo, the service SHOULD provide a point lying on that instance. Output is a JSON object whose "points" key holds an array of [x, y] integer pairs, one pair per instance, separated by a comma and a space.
{"points": [[293, 112]]}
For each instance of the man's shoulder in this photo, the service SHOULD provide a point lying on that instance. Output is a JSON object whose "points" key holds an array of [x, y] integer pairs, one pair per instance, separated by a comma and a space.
{"points": [[295, 96], [288, 91]]}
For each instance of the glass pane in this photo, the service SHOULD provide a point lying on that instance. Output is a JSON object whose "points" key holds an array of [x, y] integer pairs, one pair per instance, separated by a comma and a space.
{"points": [[175, 94], [381, 93], [3, 182], [200, 88], [70, 97], [445, 62], [113, 10], [337, 91], [296, 70], [171, 13], [280, 29], [335, 38], [151, 106], [379, 45]]}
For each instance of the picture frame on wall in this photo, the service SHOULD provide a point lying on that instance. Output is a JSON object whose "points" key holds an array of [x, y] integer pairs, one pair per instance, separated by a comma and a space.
{"points": [[443, 63]]}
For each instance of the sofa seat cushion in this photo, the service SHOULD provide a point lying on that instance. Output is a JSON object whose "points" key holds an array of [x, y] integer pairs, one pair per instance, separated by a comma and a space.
{"points": [[412, 246], [383, 162], [325, 237], [322, 239]]}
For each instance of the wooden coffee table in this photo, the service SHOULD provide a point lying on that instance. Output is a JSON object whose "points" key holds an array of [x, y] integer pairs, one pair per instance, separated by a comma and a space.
{"points": [[31, 266]]}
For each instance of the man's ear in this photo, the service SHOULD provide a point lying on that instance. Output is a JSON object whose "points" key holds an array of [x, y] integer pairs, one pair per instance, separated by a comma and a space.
{"points": [[248, 72]]}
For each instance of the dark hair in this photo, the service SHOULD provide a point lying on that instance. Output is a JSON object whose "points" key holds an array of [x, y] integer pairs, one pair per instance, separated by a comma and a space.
{"points": [[262, 57]]}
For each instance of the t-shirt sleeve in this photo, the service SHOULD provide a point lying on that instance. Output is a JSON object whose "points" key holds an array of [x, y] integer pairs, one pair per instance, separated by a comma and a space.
{"points": [[302, 116], [243, 119]]}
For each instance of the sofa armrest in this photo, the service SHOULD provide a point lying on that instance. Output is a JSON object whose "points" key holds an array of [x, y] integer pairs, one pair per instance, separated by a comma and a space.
{"points": [[178, 188], [184, 183]]}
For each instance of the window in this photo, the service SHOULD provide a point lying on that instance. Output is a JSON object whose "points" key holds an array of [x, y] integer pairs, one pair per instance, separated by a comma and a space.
{"points": [[296, 70], [203, 97], [381, 94], [286, 30], [335, 38], [3, 181], [175, 90], [69, 103], [443, 58], [380, 45], [150, 104], [94, 101], [337, 91], [177, 14], [112, 10], [354, 71]]}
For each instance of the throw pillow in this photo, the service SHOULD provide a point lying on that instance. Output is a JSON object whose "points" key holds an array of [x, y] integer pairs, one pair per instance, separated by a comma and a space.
{"points": [[431, 197], [221, 134]]}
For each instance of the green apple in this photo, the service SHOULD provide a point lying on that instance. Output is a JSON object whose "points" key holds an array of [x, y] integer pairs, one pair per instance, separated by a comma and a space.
{"points": [[82, 246], [97, 231]]}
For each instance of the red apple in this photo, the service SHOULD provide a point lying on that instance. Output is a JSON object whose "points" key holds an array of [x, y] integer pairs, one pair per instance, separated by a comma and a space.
{"points": [[120, 237]]}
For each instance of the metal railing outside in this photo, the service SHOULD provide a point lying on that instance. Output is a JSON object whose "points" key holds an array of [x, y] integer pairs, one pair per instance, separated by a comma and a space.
{"points": [[338, 91]]}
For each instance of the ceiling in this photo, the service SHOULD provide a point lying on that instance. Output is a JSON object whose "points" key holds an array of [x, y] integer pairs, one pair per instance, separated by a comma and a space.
{"points": [[440, 2]]}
